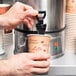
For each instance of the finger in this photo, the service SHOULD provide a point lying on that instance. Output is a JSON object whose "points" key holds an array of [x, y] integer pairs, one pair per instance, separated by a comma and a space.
{"points": [[39, 70], [31, 12], [27, 7], [22, 5], [31, 21], [27, 23], [40, 56], [41, 64]]}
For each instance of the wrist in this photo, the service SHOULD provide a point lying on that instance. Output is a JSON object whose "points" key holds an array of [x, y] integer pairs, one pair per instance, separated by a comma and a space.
{"points": [[3, 22]]}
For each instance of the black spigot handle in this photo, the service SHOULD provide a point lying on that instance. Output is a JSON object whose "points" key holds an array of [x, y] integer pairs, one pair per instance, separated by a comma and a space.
{"points": [[41, 17], [40, 26]]}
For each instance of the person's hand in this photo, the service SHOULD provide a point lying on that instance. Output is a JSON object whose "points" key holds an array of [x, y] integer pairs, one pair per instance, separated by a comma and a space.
{"points": [[27, 63], [19, 13]]}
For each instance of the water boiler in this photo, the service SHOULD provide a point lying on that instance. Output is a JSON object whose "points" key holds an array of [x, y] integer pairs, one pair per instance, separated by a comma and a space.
{"points": [[55, 20]]}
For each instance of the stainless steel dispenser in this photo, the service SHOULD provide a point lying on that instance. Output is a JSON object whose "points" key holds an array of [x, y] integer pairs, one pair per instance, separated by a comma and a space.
{"points": [[56, 26], [55, 20]]}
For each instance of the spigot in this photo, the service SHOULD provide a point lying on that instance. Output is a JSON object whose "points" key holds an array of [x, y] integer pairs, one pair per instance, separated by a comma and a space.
{"points": [[40, 26]]}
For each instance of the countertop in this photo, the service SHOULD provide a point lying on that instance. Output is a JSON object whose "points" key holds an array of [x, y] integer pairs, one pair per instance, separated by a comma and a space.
{"points": [[68, 59]]}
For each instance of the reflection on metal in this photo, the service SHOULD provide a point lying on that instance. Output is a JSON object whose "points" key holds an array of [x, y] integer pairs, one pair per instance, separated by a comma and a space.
{"points": [[55, 14]]}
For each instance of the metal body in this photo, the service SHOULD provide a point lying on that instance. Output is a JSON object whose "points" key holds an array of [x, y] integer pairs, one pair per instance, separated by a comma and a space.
{"points": [[55, 12]]}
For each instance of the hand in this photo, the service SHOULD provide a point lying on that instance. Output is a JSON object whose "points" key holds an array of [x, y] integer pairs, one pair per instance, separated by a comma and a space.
{"points": [[19, 13], [27, 63]]}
